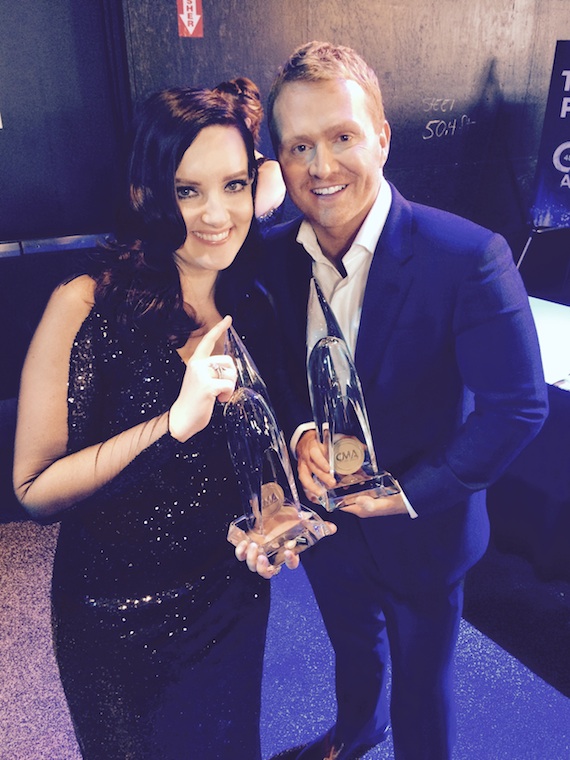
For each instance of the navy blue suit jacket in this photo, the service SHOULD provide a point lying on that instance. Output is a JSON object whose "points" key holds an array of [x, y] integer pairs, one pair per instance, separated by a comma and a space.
{"points": [[450, 366]]}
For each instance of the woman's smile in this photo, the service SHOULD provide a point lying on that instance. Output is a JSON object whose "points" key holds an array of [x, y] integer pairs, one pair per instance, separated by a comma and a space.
{"points": [[214, 194], [213, 237]]}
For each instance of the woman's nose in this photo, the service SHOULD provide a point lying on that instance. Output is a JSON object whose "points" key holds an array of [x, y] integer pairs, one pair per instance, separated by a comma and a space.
{"points": [[215, 211]]}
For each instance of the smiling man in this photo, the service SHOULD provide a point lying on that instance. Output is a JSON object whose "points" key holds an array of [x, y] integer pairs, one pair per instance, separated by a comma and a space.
{"points": [[438, 322], [332, 149]]}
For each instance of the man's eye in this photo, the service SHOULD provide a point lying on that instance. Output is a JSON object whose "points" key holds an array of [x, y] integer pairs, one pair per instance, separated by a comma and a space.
{"points": [[344, 138], [300, 148], [183, 192], [236, 185]]}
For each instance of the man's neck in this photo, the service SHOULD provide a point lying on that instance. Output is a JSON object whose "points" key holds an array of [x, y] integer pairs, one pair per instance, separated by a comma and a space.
{"points": [[335, 243], [335, 256]]}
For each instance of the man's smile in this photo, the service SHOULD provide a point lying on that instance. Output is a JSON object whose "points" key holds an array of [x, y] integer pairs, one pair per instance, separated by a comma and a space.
{"points": [[328, 190]]}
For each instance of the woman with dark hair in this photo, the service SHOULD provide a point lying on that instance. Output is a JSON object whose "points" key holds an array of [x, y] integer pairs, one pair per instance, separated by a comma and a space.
{"points": [[270, 191], [158, 630]]}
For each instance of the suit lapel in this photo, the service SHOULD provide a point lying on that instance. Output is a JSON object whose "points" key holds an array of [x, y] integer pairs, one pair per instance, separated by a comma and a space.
{"points": [[388, 283]]}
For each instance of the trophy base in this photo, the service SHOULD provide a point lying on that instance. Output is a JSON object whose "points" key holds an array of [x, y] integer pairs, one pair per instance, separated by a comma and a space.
{"points": [[287, 529], [345, 493]]}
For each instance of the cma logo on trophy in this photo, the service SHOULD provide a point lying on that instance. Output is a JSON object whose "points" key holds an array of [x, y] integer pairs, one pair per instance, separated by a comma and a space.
{"points": [[348, 455]]}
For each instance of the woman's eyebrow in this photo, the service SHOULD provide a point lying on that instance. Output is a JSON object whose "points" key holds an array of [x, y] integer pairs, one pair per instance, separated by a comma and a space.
{"points": [[241, 174]]}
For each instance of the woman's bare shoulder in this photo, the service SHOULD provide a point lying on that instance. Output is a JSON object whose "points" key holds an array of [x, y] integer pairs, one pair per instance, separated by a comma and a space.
{"points": [[79, 290], [70, 303]]}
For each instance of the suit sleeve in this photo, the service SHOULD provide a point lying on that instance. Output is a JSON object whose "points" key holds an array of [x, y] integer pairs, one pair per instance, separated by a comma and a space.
{"points": [[498, 357]]}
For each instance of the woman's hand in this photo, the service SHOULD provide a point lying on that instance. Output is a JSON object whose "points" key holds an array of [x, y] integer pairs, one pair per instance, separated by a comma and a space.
{"points": [[256, 559], [208, 377], [257, 562]]}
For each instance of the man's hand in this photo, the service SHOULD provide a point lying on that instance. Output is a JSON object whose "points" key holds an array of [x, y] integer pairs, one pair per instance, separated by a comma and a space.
{"points": [[312, 460], [257, 561], [366, 506]]}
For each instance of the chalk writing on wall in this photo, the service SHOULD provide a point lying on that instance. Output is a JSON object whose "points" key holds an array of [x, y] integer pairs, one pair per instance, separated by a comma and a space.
{"points": [[448, 123]]}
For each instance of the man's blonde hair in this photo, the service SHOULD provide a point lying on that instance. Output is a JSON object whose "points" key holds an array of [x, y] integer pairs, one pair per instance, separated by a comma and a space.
{"points": [[320, 62]]}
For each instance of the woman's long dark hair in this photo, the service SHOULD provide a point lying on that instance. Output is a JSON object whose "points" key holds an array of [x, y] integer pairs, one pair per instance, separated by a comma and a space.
{"points": [[137, 278]]}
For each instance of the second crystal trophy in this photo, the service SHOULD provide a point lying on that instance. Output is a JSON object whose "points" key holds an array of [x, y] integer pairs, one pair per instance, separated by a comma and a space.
{"points": [[273, 516], [340, 414]]}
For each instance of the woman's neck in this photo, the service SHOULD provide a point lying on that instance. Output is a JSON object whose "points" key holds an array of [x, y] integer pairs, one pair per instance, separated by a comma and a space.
{"points": [[198, 290]]}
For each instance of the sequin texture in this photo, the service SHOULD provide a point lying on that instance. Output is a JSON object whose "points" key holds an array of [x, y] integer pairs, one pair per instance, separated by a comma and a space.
{"points": [[149, 601]]}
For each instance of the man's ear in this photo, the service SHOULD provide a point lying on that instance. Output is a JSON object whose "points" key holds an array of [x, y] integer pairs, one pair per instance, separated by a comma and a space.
{"points": [[384, 139]]}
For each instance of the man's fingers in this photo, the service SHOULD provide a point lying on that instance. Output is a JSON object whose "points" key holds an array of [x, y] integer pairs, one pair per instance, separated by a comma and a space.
{"points": [[320, 461], [309, 486], [368, 506], [311, 467]]}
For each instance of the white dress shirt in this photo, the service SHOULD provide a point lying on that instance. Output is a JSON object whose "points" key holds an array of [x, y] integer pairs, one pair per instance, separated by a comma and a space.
{"points": [[344, 291]]}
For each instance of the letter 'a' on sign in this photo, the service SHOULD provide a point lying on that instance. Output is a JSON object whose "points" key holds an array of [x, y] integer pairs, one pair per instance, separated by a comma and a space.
{"points": [[340, 413]]}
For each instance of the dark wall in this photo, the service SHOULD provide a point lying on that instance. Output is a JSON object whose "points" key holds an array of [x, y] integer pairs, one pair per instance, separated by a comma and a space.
{"points": [[63, 111], [465, 81], [465, 84]]}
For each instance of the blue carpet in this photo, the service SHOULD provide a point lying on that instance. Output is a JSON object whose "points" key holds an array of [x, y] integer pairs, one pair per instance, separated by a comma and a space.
{"points": [[506, 712]]}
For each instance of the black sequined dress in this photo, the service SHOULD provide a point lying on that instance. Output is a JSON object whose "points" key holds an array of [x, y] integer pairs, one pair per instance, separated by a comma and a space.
{"points": [[158, 630]]}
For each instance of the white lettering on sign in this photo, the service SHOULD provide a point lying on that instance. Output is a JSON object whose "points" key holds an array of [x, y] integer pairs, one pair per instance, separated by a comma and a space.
{"points": [[189, 14]]}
